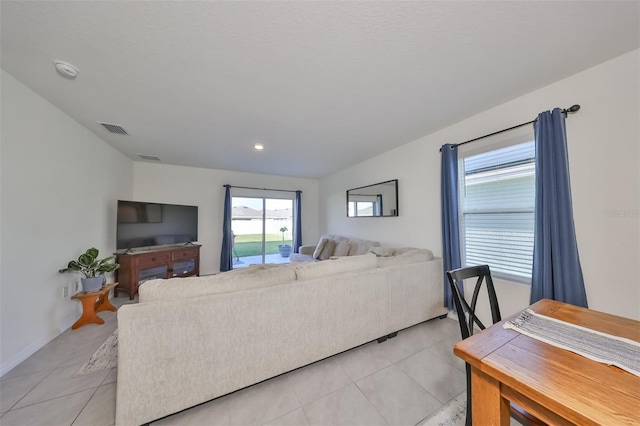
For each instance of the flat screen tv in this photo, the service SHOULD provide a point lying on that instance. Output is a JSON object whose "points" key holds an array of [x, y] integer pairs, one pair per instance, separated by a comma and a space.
{"points": [[142, 225]]}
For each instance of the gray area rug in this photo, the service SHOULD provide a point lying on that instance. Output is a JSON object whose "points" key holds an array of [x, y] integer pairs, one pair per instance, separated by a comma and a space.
{"points": [[453, 413], [105, 357]]}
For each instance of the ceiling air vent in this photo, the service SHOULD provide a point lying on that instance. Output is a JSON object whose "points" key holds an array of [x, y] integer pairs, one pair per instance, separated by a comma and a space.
{"points": [[149, 157], [114, 128]]}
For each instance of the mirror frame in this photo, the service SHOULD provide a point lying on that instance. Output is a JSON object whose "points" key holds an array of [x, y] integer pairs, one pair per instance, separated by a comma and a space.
{"points": [[394, 212]]}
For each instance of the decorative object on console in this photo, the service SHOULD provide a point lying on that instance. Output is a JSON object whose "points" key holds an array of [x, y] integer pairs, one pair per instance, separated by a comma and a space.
{"points": [[285, 249], [92, 269], [379, 199]]}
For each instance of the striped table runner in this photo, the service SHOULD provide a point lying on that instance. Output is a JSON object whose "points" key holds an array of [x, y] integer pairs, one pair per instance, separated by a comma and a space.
{"points": [[597, 346]]}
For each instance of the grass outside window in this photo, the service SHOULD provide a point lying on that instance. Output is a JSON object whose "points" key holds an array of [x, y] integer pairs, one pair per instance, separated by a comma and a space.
{"points": [[251, 244]]}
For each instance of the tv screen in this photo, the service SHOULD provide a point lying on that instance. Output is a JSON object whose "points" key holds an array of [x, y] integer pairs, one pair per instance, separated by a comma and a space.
{"points": [[153, 224]]}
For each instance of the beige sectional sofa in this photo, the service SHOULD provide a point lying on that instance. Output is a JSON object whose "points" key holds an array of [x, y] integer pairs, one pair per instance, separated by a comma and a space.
{"points": [[190, 340]]}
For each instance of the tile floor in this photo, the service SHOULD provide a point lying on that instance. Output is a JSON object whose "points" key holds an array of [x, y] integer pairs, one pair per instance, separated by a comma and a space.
{"points": [[398, 382]]}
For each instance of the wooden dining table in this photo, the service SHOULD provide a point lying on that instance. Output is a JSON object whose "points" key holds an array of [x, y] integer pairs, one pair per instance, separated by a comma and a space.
{"points": [[555, 385]]}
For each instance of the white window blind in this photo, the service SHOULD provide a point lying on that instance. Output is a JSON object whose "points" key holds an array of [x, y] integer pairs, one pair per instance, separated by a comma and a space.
{"points": [[497, 199]]}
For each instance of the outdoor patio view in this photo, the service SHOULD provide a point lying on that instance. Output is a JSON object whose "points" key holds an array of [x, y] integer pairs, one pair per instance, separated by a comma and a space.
{"points": [[262, 229]]}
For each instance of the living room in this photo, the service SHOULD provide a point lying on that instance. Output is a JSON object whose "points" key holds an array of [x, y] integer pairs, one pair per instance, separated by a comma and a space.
{"points": [[61, 180]]}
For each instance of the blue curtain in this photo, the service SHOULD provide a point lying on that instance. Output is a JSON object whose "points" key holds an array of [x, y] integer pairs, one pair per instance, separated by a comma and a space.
{"points": [[297, 224], [556, 273], [450, 226], [226, 260]]}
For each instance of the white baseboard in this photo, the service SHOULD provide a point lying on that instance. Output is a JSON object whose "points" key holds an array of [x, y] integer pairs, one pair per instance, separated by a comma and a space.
{"points": [[30, 350]]}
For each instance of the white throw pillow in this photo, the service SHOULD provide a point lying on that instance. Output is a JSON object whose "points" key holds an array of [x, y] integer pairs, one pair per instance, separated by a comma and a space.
{"points": [[319, 247], [327, 250], [342, 249]]}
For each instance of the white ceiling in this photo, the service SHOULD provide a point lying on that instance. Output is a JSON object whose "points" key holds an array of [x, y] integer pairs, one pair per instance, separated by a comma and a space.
{"points": [[324, 85]]}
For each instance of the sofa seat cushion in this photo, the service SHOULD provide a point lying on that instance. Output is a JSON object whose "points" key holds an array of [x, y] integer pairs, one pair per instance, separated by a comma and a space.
{"points": [[255, 276], [307, 271]]}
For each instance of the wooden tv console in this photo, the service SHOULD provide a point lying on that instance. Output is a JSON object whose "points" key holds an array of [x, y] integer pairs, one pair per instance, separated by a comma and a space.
{"points": [[165, 262]]}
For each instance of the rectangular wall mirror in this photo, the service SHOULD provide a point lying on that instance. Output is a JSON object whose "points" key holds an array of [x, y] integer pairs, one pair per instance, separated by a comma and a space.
{"points": [[379, 199]]}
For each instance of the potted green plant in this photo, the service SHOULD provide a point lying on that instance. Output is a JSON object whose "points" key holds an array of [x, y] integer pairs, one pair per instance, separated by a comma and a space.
{"points": [[285, 249], [92, 269]]}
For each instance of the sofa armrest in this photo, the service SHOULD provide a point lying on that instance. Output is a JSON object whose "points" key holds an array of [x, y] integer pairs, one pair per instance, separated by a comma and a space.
{"points": [[307, 249]]}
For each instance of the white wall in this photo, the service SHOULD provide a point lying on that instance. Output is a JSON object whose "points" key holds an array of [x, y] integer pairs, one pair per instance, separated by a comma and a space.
{"points": [[203, 188], [59, 185], [604, 140]]}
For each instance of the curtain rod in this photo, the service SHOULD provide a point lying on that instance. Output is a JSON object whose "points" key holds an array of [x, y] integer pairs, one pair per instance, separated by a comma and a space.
{"points": [[260, 189], [570, 110]]}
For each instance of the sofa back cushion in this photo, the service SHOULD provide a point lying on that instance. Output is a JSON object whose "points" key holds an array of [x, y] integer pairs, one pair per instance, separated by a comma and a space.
{"points": [[255, 276], [307, 271]]}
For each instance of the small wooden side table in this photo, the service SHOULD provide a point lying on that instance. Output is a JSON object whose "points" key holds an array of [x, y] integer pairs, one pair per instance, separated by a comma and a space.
{"points": [[96, 301]]}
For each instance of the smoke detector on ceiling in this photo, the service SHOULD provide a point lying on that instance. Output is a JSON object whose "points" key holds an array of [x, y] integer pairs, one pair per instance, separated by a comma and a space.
{"points": [[66, 70]]}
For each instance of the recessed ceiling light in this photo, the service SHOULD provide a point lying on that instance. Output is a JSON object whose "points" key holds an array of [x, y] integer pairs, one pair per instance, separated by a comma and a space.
{"points": [[258, 146], [66, 70]]}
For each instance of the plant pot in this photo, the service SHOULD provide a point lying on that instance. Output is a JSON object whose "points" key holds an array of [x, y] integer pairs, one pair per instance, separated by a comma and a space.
{"points": [[285, 250], [90, 285]]}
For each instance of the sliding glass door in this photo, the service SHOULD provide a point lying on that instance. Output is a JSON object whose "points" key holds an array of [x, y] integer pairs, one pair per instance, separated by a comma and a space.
{"points": [[262, 230]]}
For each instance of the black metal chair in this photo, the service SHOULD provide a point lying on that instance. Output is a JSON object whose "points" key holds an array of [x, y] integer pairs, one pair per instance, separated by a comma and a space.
{"points": [[467, 318]]}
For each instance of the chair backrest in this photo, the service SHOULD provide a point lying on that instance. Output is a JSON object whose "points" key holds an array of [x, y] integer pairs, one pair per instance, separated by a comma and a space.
{"points": [[467, 313]]}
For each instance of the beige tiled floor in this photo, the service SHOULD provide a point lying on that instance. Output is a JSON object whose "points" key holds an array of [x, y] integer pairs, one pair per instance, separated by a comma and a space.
{"points": [[399, 382]]}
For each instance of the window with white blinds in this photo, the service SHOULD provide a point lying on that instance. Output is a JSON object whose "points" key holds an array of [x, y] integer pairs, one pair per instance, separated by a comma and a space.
{"points": [[497, 198]]}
